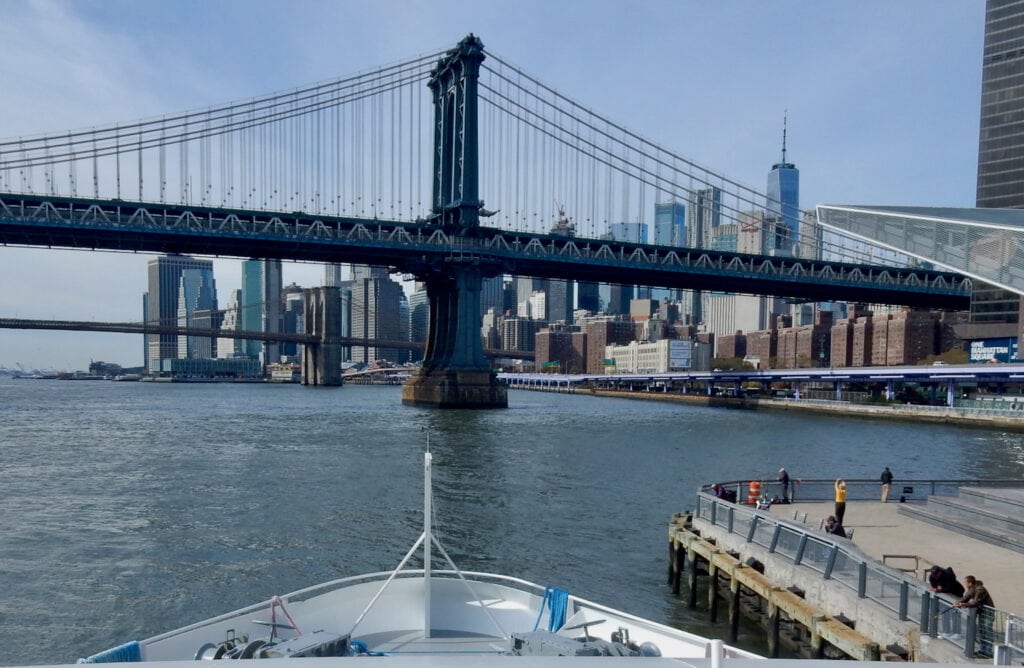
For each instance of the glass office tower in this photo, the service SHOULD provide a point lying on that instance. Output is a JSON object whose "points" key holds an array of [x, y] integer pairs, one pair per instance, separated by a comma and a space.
{"points": [[1001, 139], [1001, 142]]}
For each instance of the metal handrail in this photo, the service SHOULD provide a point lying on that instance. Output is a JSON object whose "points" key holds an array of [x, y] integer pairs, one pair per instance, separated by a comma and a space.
{"points": [[811, 490]]}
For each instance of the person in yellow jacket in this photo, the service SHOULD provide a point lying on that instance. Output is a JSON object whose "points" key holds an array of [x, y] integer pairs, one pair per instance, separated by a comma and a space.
{"points": [[840, 499]]}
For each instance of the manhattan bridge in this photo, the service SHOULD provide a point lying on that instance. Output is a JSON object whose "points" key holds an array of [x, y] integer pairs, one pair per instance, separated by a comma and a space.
{"points": [[448, 167]]}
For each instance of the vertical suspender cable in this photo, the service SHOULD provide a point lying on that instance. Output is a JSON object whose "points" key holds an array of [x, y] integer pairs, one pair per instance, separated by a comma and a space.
{"points": [[117, 159], [336, 149]]}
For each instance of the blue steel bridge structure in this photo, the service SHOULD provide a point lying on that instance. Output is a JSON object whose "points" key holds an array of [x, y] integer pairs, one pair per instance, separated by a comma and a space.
{"points": [[388, 168]]}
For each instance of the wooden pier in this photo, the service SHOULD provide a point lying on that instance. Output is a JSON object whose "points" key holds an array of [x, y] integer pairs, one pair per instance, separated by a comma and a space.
{"points": [[730, 578], [824, 617]]}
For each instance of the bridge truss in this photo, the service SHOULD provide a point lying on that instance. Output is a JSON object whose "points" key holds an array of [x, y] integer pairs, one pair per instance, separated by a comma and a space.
{"points": [[415, 247]]}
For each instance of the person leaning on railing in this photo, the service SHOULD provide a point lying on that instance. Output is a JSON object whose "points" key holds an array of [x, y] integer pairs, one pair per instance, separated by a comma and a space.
{"points": [[977, 597]]}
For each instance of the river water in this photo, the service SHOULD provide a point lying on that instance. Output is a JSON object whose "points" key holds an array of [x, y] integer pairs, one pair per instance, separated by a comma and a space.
{"points": [[129, 509]]}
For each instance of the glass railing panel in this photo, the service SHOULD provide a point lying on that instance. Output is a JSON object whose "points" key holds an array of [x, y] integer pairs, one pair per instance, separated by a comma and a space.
{"points": [[816, 553], [704, 508], [951, 622], [763, 532], [722, 514], [846, 570], [741, 521], [884, 588], [789, 542]]}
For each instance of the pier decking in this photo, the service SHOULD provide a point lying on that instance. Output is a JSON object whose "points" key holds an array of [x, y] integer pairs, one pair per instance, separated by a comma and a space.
{"points": [[881, 530]]}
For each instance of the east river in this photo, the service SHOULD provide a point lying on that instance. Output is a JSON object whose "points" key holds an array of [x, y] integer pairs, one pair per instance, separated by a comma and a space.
{"points": [[129, 509]]}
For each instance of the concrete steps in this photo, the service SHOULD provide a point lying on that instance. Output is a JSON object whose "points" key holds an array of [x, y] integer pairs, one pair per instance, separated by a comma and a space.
{"points": [[993, 515]]}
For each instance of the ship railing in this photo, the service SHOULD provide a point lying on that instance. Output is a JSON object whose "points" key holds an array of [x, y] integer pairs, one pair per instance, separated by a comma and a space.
{"points": [[978, 632]]}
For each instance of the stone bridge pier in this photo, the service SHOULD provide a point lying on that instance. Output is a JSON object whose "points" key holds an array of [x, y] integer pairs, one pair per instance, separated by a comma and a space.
{"points": [[455, 373], [321, 361]]}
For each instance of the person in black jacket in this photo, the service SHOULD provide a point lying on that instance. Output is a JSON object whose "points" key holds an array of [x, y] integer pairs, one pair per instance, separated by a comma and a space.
{"points": [[833, 527], [944, 580], [886, 479], [784, 482]]}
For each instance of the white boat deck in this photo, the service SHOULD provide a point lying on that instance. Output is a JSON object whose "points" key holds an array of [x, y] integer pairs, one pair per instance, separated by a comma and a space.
{"points": [[411, 641]]}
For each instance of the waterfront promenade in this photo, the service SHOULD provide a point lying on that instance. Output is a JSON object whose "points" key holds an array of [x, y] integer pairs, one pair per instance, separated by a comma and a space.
{"points": [[1009, 420], [880, 530]]}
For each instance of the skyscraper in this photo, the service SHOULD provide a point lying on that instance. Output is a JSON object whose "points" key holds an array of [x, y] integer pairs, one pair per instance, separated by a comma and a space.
{"points": [[1001, 146], [376, 314], [196, 292], [525, 287], [332, 275], [164, 279], [670, 223], [588, 297], [705, 208], [1001, 140], [783, 217], [293, 319], [635, 233], [228, 348], [260, 310], [419, 319]]}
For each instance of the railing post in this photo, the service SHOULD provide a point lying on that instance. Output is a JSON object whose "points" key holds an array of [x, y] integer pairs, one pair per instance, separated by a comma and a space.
{"points": [[831, 563], [862, 579], [753, 527], [904, 600], [775, 538], [731, 517], [926, 608], [933, 616], [800, 550], [714, 512], [971, 632]]}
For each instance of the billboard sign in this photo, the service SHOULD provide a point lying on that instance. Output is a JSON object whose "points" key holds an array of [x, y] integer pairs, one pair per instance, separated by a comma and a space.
{"points": [[680, 354], [992, 350]]}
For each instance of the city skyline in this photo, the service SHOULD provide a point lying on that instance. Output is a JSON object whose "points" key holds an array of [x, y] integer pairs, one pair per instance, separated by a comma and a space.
{"points": [[868, 83]]}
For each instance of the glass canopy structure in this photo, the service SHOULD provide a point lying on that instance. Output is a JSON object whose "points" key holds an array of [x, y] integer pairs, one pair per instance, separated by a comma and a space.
{"points": [[984, 244]]}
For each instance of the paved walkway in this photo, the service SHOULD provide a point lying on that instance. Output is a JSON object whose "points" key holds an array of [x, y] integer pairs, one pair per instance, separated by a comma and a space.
{"points": [[879, 530]]}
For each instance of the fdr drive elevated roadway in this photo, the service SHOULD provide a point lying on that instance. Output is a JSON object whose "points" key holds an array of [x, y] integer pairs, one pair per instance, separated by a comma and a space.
{"points": [[419, 247]]}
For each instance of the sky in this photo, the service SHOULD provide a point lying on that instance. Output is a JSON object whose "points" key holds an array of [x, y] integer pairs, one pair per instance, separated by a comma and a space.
{"points": [[882, 100]]}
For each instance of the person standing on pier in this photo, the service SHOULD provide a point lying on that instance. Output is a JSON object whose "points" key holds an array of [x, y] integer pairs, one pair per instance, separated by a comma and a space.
{"points": [[886, 479], [784, 481], [840, 499]]}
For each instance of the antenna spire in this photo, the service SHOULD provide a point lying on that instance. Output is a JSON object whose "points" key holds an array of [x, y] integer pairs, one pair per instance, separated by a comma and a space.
{"points": [[785, 118]]}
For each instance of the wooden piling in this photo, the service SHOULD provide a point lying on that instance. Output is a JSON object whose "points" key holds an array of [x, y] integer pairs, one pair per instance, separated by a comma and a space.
{"points": [[734, 608], [817, 644], [678, 563], [774, 617], [712, 591], [691, 576]]}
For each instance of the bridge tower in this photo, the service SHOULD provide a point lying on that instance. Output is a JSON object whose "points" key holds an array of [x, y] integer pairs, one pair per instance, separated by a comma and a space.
{"points": [[455, 373], [321, 361]]}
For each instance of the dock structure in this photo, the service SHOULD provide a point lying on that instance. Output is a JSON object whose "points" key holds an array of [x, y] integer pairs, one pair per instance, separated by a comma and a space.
{"points": [[864, 598]]}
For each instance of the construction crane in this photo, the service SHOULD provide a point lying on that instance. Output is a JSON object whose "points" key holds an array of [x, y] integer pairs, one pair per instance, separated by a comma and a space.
{"points": [[562, 225]]}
